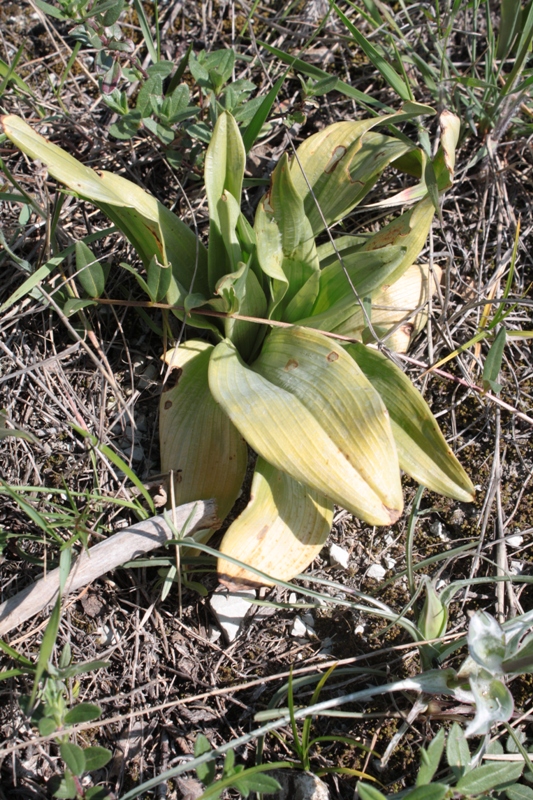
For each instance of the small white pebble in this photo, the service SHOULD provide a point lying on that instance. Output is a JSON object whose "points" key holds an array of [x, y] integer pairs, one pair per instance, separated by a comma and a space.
{"points": [[299, 628], [438, 529], [360, 629], [292, 598], [376, 571], [230, 609], [515, 541], [516, 567], [338, 556], [106, 636], [389, 562]]}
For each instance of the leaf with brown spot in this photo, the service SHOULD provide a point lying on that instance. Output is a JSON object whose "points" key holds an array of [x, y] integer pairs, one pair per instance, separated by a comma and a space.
{"points": [[338, 166], [323, 423]]}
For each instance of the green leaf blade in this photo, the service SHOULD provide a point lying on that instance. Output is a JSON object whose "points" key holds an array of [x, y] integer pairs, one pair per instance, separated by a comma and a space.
{"points": [[73, 756]]}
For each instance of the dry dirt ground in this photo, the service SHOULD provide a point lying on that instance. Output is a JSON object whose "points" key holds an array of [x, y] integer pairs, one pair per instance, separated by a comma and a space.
{"points": [[168, 679]]}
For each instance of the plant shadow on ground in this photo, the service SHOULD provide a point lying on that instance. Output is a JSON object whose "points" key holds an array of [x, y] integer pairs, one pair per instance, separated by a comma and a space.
{"points": [[168, 678]]}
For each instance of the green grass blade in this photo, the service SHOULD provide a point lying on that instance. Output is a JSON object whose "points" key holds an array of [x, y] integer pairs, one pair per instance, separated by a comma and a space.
{"points": [[51, 10], [178, 75], [145, 28], [254, 126], [47, 647], [118, 462], [7, 72], [524, 46], [315, 72], [388, 72], [12, 653]]}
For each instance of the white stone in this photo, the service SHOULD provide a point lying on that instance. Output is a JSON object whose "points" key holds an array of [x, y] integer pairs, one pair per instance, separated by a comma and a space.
{"points": [[516, 567], [389, 562], [376, 571], [515, 541], [338, 556], [106, 636], [302, 627], [230, 609]]}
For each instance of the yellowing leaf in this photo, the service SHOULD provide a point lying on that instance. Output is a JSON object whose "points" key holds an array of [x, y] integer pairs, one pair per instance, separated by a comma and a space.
{"points": [[422, 449], [337, 166], [198, 441], [282, 529], [308, 410]]}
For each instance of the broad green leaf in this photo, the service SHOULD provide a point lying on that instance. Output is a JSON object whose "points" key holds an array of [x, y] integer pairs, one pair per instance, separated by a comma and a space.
{"points": [[73, 756], [74, 304], [61, 165], [308, 410], [96, 757], [66, 786], [300, 262], [89, 271], [228, 211], [457, 751], [255, 782], [430, 759], [519, 792], [270, 255], [337, 305], [434, 615], [489, 777], [368, 792], [422, 449], [149, 226], [83, 712], [47, 725], [198, 441], [224, 170], [341, 163], [158, 279], [205, 771], [168, 238], [352, 168], [282, 529], [248, 299]]}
